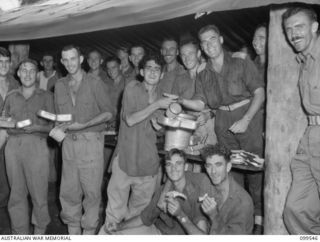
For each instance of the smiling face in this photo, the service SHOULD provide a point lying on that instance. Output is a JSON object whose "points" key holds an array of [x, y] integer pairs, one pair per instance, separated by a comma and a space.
{"points": [[71, 60], [113, 69], [217, 168], [300, 31], [190, 56], [259, 41], [175, 168], [211, 43], [151, 72], [94, 60], [169, 51], [27, 73]]}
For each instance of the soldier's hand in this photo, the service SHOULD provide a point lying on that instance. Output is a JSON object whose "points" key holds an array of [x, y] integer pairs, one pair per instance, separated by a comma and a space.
{"points": [[209, 205]]}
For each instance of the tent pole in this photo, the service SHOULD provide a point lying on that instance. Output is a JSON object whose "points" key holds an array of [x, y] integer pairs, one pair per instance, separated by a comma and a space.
{"points": [[285, 123]]}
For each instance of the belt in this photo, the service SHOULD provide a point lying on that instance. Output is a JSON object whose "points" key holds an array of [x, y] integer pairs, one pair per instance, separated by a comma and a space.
{"points": [[234, 106], [77, 136], [314, 120]]}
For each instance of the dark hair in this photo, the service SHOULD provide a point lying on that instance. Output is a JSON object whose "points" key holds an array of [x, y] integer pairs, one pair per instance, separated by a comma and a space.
{"points": [[125, 49], [207, 28], [173, 152], [5, 53], [137, 46], [169, 38], [151, 56], [217, 149], [190, 41], [297, 8], [113, 58], [70, 47], [28, 60], [94, 50]]}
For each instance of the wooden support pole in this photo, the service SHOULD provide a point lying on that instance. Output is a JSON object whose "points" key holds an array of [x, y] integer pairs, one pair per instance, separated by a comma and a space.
{"points": [[285, 124]]}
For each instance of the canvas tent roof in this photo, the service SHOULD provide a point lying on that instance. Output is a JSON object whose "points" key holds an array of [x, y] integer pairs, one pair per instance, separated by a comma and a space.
{"points": [[109, 23]]}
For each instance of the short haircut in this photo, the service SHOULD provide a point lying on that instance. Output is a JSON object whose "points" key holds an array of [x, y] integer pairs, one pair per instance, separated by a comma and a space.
{"points": [[297, 8], [137, 46], [207, 28], [70, 47], [113, 59], [5, 53], [174, 151], [189, 41], [262, 25], [151, 57], [28, 60], [170, 38], [217, 149], [125, 49], [94, 50]]}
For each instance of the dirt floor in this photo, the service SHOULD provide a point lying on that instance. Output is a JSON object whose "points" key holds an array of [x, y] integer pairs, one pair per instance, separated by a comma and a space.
{"points": [[55, 227]]}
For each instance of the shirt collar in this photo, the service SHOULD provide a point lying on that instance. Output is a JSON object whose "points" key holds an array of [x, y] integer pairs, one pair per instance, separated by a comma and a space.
{"points": [[312, 52]]}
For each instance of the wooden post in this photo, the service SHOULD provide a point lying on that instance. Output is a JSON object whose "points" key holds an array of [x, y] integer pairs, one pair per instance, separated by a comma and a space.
{"points": [[18, 52], [286, 123]]}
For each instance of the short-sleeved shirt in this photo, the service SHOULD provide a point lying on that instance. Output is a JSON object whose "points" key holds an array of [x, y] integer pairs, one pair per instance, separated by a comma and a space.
{"points": [[115, 92], [236, 214], [102, 75], [309, 81], [169, 77], [12, 84], [238, 80], [91, 100], [19, 108], [184, 86], [138, 154], [191, 207]]}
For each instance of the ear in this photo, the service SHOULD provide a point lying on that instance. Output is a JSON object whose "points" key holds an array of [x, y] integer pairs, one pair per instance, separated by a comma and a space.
{"points": [[142, 72], [130, 58], [221, 39], [101, 61], [41, 63], [162, 74], [61, 61], [229, 166], [81, 59], [314, 27], [18, 73]]}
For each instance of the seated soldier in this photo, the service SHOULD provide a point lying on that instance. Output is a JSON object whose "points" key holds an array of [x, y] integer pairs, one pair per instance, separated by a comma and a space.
{"points": [[154, 220], [227, 205]]}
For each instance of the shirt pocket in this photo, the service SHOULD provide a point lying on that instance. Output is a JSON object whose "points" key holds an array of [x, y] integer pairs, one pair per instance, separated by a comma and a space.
{"points": [[62, 104], [235, 83], [314, 93]]}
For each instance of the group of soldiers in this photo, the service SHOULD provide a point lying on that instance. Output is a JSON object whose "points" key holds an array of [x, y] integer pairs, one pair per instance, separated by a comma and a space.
{"points": [[224, 90]]}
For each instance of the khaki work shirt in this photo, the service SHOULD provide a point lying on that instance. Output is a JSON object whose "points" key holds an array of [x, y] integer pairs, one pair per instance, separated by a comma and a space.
{"points": [[138, 154], [91, 100], [309, 78], [19, 108], [238, 80]]}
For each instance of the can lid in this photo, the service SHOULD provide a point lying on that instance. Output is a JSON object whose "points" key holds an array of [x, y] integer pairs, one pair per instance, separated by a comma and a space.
{"points": [[175, 108]]}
